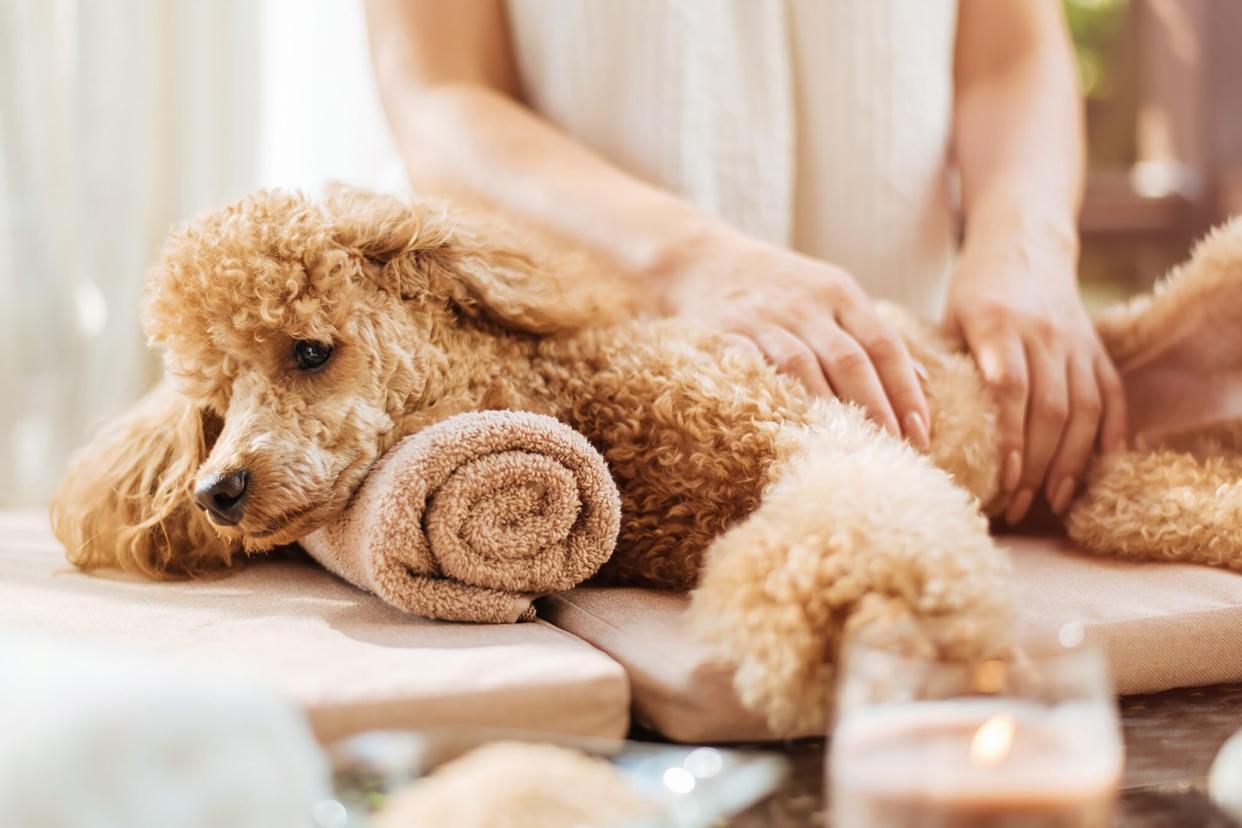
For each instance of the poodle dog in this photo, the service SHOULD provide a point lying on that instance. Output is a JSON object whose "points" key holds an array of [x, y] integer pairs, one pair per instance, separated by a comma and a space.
{"points": [[302, 339]]}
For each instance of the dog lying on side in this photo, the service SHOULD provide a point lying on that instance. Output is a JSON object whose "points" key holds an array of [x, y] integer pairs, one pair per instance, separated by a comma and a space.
{"points": [[302, 340]]}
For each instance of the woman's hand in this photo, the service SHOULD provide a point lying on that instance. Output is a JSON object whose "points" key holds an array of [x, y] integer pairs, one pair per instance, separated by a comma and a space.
{"points": [[810, 319], [1014, 299]]}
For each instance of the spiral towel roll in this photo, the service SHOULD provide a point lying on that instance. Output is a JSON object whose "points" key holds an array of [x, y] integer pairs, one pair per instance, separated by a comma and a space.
{"points": [[473, 518]]}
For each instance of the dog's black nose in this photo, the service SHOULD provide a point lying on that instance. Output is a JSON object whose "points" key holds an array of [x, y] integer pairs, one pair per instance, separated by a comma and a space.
{"points": [[223, 497]]}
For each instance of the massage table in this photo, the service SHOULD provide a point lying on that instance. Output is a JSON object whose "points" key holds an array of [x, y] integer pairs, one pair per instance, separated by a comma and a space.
{"points": [[595, 654]]}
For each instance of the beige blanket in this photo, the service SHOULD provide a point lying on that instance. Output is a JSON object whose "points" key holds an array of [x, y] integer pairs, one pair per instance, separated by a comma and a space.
{"points": [[473, 518]]}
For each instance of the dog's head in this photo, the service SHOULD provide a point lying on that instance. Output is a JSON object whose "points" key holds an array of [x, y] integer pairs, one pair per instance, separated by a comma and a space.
{"points": [[296, 336]]}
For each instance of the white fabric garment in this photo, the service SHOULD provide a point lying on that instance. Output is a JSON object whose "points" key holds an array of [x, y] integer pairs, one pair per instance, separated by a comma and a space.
{"points": [[819, 124]]}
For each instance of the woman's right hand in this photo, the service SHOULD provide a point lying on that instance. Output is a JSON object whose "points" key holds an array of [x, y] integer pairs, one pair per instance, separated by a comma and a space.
{"points": [[810, 319]]}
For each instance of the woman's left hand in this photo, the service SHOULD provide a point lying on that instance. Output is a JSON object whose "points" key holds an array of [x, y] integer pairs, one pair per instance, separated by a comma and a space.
{"points": [[1014, 300]]}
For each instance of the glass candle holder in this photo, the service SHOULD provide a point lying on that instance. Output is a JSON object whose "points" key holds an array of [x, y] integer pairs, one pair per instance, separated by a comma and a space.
{"points": [[1028, 741]]}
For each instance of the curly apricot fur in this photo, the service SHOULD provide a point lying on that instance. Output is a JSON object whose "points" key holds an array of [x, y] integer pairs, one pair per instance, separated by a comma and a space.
{"points": [[797, 519]]}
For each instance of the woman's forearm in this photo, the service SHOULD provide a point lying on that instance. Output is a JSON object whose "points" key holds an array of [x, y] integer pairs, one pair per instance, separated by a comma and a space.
{"points": [[1018, 134], [449, 89], [477, 145], [1013, 295]]}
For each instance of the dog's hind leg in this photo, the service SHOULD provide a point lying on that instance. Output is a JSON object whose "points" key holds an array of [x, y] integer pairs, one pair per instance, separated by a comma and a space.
{"points": [[1181, 501], [857, 528]]}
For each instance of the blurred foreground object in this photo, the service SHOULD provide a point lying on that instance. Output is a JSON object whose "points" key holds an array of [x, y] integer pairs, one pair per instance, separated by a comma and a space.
{"points": [[1225, 778], [519, 785], [513, 778], [116, 738]]}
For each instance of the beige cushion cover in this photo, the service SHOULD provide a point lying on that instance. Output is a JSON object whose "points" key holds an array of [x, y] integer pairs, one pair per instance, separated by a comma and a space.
{"points": [[1162, 625], [682, 688], [351, 661]]}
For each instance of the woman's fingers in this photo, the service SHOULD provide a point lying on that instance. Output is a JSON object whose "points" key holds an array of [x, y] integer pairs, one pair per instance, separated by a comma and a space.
{"points": [[1078, 439], [791, 356], [830, 362], [852, 374], [814, 323], [1002, 361], [1115, 418], [894, 369], [1047, 414]]}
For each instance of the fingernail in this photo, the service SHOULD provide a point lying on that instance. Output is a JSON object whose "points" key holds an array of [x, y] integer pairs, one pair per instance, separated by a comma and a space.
{"points": [[921, 370], [916, 431], [1061, 495], [1115, 445], [1018, 506], [1013, 471]]}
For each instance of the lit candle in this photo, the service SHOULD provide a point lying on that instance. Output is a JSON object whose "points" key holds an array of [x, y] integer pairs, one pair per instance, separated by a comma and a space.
{"points": [[975, 762]]}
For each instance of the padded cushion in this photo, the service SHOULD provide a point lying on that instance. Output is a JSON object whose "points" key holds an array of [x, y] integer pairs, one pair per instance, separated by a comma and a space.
{"points": [[682, 688], [351, 661], [1162, 625]]}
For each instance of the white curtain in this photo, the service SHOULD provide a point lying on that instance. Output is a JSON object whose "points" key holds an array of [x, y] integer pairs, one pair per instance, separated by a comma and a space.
{"points": [[117, 120], [320, 117]]}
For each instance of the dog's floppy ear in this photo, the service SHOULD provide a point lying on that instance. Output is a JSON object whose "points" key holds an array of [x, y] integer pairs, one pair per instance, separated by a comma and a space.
{"points": [[472, 261], [125, 501]]}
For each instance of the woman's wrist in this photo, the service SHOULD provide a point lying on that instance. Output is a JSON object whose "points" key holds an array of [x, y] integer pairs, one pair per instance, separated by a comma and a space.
{"points": [[1005, 217], [675, 264], [1007, 233]]}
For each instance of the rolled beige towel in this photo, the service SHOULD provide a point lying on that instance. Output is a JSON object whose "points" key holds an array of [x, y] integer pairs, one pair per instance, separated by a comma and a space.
{"points": [[473, 518]]}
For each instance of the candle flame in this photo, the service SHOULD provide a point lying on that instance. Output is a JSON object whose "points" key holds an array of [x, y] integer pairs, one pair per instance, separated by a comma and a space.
{"points": [[993, 739]]}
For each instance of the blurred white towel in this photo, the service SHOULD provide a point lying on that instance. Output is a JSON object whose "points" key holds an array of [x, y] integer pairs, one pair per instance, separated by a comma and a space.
{"points": [[99, 737]]}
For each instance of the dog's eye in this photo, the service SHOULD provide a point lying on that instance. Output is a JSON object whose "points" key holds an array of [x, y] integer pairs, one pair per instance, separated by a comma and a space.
{"points": [[310, 356]]}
